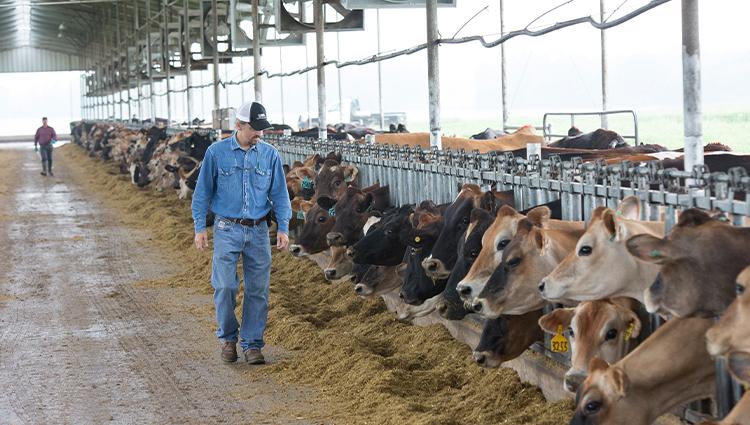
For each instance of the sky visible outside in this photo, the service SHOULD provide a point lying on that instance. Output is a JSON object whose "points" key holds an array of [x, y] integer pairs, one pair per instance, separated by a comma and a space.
{"points": [[556, 72]]}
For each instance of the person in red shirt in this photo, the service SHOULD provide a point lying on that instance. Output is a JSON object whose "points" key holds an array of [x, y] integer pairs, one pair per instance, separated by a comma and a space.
{"points": [[44, 137]]}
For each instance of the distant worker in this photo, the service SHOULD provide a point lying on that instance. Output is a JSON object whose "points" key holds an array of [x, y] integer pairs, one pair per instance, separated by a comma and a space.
{"points": [[43, 139], [241, 180]]}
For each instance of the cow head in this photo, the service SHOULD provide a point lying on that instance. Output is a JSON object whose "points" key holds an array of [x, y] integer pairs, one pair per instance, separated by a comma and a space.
{"points": [[699, 261], [605, 328], [333, 179], [385, 242], [318, 222], [506, 338], [457, 219], [340, 265], [353, 210], [600, 266], [731, 333], [300, 181], [451, 306], [371, 280], [596, 402], [531, 255], [494, 241], [427, 223]]}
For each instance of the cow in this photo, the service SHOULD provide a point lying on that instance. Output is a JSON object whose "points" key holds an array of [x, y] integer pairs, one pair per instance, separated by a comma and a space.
{"points": [[385, 242], [531, 255], [370, 280], [353, 210], [332, 180], [318, 222], [506, 338], [517, 140], [598, 139], [498, 236], [699, 247], [457, 218], [451, 307], [300, 181], [730, 337], [600, 266], [658, 376], [426, 226], [607, 329], [487, 134], [339, 266]]}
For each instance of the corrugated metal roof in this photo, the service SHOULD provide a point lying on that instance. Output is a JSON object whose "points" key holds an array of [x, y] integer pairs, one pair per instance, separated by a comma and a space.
{"points": [[29, 59]]}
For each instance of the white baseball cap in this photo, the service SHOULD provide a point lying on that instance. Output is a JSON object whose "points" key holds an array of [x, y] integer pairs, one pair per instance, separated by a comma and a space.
{"points": [[255, 114]]}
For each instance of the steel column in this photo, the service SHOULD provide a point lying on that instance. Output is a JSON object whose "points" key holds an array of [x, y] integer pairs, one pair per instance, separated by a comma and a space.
{"points": [[215, 30], [188, 59], [281, 84], [319, 18], [338, 80], [258, 83], [604, 122], [433, 73], [503, 72], [691, 85], [380, 77], [165, 59], [152, 102]]}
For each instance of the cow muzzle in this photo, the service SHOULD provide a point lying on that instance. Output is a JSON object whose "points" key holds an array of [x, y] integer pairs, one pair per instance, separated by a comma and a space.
{"points": [[296, 250], [335, 239], [573, 380], [330, 274], [435, 268]]}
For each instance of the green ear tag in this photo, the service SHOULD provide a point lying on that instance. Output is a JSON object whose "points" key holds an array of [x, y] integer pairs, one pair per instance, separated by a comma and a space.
{"points": [[656, 254], [300, 215], [332, 212], [307, 183]]}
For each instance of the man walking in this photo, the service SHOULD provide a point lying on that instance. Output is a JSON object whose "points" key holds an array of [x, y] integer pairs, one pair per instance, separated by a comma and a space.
{"points": [[241, 180], [43, 138]]}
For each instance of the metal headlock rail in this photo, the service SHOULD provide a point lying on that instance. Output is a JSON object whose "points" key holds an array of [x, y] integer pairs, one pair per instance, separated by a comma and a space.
{"points": [[415, 174]]}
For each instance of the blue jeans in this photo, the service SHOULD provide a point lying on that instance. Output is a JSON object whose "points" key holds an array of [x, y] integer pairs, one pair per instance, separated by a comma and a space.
{"points": [[231, 240]]}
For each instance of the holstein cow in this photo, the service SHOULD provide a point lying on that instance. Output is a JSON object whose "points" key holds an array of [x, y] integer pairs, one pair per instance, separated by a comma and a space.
{"points": [[426, 226], [353, 210], [600, 266], [385, 242], [531, 255], [607, 329], [496, 239], [457, 218], [699, 261], [451, 306], [730, 337], [506, 338], [598, 139], [661, 374]]}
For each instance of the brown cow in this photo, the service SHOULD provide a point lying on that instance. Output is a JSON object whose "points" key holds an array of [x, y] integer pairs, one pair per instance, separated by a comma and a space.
{"points": [[605, 328], [665, 371], [510, 142], [340, 265], [318, 222], [353, 210], [600, 266], [507, 337], [332, 180], [698, 248]]}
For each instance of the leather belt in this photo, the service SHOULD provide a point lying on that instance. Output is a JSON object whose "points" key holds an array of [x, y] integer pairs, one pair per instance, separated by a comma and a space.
{"points": [[248, 221]]}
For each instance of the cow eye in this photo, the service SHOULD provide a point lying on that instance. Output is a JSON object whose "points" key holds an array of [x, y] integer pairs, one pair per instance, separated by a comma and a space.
{"points": [[611, 334], [465, 220], [514, 262], [585, 251], [389, 232], [740, 289], [592, 407], [322, 218], [337, 184], [502, 244], [570, 331]]}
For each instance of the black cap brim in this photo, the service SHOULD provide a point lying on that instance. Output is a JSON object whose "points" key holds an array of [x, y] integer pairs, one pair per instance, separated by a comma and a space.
{"points": [[260, 125]]}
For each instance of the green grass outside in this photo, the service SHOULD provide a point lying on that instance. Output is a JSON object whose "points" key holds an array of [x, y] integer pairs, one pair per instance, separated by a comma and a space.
{"points": [[730, 128]]}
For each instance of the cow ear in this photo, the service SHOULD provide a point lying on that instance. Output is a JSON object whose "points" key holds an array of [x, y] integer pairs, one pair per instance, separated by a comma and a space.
{"points": [[306, 205], [597, 213], [297, 164], [506, 210], [649, 248], [487, 202], [539, 216], [367, 202], [286, 168], [619, 381], [608, 219], [693, 217], [538, 238], [739, 365], [350, 173], [478, 214], [560, 316], [630, 208]]}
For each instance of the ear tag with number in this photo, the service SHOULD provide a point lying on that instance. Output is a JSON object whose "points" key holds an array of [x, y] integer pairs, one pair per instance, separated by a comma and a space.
{"points": [[629, 331], [559, 342]]}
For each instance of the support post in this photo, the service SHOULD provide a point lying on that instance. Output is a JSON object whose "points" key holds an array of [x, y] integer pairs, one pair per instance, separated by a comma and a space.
{"points": [[215, 30], [433, 74], [691, 85], [165, 60], [136, 33], [257, 81], [187, 60], [338, 80], [281, 84], [604, 121], [319, 19], [380, 77], [152, 99], [503, 70]]}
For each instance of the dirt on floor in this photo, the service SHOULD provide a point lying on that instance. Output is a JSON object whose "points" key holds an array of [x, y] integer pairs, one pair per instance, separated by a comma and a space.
{"points": [[366, 367]]}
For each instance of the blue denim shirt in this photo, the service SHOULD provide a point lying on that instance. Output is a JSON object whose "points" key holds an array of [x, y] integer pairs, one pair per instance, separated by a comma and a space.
{"points": [[236, 183]]}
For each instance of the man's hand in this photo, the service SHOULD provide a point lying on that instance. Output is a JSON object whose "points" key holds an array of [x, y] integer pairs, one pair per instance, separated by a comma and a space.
{"points": [[282, 241], [201, 240], [36, 148]]}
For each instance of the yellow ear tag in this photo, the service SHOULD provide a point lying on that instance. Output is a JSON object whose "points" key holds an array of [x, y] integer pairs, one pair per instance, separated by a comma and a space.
{"points": [[559, 342], [417, 239], [629, 331]]}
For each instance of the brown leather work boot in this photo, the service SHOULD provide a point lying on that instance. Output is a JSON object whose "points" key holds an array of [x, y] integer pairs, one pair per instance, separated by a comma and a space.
{"points": [[254, 356], [229, 351]]}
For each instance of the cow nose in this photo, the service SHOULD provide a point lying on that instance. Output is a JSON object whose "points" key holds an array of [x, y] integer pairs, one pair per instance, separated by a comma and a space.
{"points": [[541, 287], [330, 273], [359, 289], [430, 265], [573, 381], [480, 358], [464, 291], [477, 307], [295, 250], [335, 239]]}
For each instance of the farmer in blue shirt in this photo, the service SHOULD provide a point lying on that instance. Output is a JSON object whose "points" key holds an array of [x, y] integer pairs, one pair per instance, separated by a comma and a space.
{"points": [[241, 180]]}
